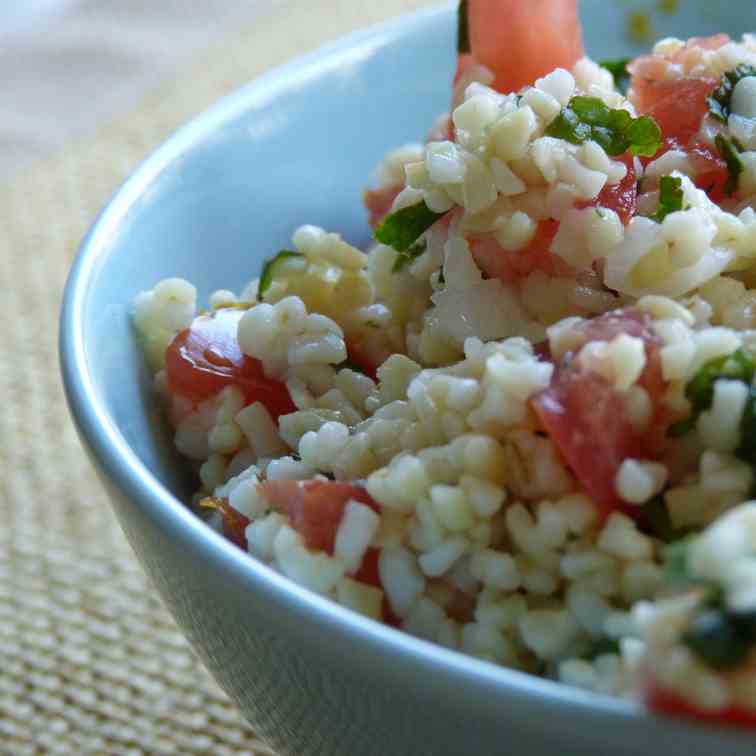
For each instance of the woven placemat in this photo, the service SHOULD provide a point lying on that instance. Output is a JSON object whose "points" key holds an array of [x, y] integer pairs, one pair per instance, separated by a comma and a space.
{"points": [[90, 661]]}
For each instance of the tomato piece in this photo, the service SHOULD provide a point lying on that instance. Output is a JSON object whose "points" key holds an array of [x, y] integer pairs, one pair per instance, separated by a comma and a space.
{"points": [[360, 360], [677, 103], [234, 523], [711, 171], [522, 41], [621, 197], [315, 507], [586, 417], [205, 358], [508, 267], [664, 701], [379, 201]]}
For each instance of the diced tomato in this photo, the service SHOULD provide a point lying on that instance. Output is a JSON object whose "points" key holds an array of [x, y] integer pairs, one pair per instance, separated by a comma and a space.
{"points": [[522, 41], [234, 522], [356, 355], [663, 701], [677, 103], [205, 358], [496, 262], [621, 197], [379, 201], [586, 417], [315, 507], [711, 171], [368, 574], [632, 322]]}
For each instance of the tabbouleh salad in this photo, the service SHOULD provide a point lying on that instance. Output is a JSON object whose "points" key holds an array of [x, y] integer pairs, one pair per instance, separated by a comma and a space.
{"points": [[523, 424]]}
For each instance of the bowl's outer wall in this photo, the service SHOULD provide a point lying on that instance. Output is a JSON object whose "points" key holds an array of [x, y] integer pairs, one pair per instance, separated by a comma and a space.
{"points": [[227, 191]]}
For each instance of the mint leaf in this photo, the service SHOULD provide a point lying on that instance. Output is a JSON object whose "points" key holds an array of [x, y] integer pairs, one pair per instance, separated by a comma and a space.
{"points": [[721, 98], [403, 228], [405, 258], [463, 29], [735, 367], [269, 270], [738, 366], [656, 521], [747, 448], [618, 69], [670, 197], [730, 151], [589, 118], [676, 557]]}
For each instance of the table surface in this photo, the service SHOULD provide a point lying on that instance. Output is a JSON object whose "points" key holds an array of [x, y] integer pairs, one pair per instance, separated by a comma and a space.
{"points": [[91, 661], [69, 65]]}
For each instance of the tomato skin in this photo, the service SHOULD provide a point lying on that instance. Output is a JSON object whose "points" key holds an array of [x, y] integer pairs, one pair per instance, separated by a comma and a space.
{"points": [[234, 523], [508, 267], [357, 357], [621, 197], [205, 358], [315, 507], [586, 417], [677, 103], [379, 201], [664, 701], [522, 41]]}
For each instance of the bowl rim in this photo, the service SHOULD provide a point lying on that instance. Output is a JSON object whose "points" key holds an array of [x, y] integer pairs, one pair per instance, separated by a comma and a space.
{"points": [[121, 465]]}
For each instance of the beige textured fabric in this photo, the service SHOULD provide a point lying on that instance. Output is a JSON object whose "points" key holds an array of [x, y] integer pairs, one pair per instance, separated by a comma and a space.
{"points": [[90, 662]]}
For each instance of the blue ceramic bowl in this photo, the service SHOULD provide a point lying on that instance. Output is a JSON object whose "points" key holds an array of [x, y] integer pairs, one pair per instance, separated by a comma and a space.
{"points": [[295, 146]]}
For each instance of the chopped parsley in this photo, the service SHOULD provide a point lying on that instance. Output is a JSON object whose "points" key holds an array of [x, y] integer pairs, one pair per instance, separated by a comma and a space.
{"points": [[739, 366], [655, 520], [747, 448], [349, 365], [403, 228], [589, 118], [721, 98], [730, 150], [721, 638], [670, 197], [676, 557], [269, 270], [463, 29], [403, 259], [618, 69]]}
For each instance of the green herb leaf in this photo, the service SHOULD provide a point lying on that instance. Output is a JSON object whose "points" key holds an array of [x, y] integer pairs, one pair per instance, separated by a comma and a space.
{"points": [[403, 259], [670, 197], [463, 29], [730, 151], [721, 98], [747, 448], [600, 647], [618, 69], [719, 638], [589, 118], [403, 228], [349, 365], [676, 557], [655, 520], [268, 271], [738, 366], [682, 428]]}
